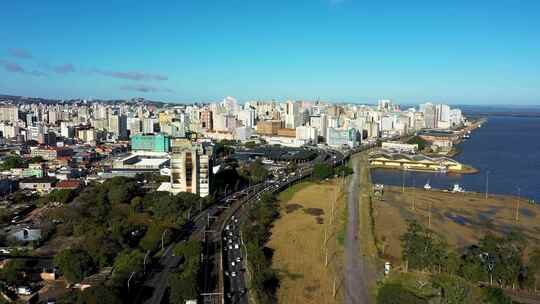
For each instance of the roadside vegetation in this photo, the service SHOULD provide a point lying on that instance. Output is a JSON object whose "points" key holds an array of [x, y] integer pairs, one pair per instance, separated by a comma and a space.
{"points": [[256, 232], [435, 272]]}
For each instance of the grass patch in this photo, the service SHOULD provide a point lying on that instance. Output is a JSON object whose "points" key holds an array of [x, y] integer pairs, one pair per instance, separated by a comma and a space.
{"points": [[298, 238]]}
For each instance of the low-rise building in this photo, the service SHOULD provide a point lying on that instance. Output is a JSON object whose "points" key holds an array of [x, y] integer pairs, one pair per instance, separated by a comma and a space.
{"points": [[37, 184]]}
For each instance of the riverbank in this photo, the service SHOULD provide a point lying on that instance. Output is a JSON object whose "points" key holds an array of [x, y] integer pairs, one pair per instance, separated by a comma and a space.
{"points": [[465, 169], [462, 218]]}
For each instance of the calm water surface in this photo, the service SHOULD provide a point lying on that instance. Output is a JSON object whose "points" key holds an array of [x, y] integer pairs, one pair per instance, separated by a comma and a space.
{"points": [[507, 149]]}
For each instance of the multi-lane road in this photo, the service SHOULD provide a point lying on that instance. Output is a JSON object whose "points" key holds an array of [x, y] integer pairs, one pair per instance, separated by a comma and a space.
{"points": [[232, 280]]}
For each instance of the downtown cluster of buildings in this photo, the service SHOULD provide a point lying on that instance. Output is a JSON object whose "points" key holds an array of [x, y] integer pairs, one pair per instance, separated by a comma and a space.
{"points": [[84, 140]]}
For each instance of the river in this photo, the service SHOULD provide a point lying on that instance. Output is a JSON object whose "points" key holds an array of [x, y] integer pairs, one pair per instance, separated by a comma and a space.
{"points": [[505, 149]]}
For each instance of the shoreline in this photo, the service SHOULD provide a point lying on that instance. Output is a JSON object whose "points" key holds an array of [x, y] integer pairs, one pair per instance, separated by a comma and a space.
{"points": [[465, 170]]}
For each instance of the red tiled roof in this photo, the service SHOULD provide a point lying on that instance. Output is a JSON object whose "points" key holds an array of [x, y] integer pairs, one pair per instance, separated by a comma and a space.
{"points": [[69, 184]]}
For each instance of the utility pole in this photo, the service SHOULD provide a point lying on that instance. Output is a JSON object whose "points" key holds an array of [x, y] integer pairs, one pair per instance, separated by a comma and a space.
{"points": [[517, 204], [414, 193], [429, 214], [487, 183], [402, 181]]}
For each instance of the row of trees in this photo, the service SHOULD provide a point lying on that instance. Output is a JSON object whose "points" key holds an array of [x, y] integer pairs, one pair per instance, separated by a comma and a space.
{"points": [[323, 171], [256, 233], [495, 261], [15, 161], [185, 282]]}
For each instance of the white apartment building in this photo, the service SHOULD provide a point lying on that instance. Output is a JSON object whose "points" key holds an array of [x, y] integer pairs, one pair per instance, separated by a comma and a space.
{"points": [[307, 134], [191, 166]]}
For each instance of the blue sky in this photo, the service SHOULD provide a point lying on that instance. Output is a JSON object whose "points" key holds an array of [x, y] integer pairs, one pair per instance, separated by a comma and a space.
{"points": [[460, 52]]}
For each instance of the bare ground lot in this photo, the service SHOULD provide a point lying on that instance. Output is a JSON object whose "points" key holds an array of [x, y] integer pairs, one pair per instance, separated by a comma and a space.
{"points": [[297, 240], [463, 218]]}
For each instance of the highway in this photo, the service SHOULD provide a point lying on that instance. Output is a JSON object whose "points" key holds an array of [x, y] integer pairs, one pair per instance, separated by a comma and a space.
{"points": [[157, 281]]}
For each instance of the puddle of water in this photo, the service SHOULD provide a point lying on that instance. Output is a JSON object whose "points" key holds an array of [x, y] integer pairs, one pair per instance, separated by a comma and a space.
{"points": [[527, 212], [458, 219], [487, 215]]}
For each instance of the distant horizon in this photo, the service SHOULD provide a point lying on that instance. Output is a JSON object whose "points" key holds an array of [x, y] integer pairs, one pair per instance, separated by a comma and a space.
{"points": [[243, 101]]}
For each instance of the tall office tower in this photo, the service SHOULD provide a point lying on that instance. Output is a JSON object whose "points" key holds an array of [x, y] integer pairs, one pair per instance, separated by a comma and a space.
{"points": [[53, 116], [191, 167], [134, 126], [206, 120], [9, 113], [29, 119], [320, 123], [118, 126], [66, 130], [384, 104], [293, 117], [247, 117], [148, 125], [456, 118], [101, 112], [443, 116], [430, 116]]}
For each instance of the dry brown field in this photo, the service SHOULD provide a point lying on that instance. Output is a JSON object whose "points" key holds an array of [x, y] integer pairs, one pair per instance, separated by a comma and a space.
{"points": [[298, 239]]}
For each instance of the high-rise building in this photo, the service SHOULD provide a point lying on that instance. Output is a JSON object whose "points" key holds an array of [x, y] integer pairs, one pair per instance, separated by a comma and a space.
{"points": [[293, 117], [9, 113], [191, 167], [151, 143], [309, 135], [118, 126], [430, 116]]}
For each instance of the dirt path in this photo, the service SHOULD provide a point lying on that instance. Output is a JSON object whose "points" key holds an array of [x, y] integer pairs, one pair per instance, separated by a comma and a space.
{"points": [[356, 283]]}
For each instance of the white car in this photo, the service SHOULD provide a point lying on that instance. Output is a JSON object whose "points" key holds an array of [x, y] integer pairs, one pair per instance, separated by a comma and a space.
{"points": [[233, 274], [236, 246], [233, 264], [230, 247]]}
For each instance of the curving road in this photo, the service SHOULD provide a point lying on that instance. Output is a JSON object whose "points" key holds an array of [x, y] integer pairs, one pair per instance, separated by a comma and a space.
{"points": [[355, 282]]}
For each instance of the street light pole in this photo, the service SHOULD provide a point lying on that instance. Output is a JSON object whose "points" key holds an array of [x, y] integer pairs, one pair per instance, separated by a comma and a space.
{"points": [[130, 279], [162, 239], [145, 257]]}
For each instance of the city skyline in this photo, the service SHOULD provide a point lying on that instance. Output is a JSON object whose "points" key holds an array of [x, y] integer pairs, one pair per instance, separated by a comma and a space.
{"points": [[340, 51]]}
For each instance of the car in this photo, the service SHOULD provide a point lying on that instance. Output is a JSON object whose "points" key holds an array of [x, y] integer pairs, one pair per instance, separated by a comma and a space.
{"points": [[230, 247], [233, 274], [238, 259], [5, 251], [236, 246], [233, 264]]}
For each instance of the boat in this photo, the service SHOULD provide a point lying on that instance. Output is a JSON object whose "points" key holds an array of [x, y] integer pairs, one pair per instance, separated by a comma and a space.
{"points": [[457, 188], [465, 136], [427, 186], [442, 169]]}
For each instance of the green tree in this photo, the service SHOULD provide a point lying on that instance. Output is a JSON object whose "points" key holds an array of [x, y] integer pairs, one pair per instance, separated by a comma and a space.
{"points": [[422, 144], [322, 171], [397, 294], [12, 162], [454, 290], [494, 295], [99, 294], [10, 272], [257, 172], [74, 264], [422, 248], [128, 261], [152, 238]]}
